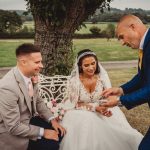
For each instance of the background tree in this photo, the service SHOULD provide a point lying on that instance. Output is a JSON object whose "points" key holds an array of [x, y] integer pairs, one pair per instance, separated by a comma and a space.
{"points": [[114, 15], [110, 31], [10, 21], [55, 23], [95, 30]]}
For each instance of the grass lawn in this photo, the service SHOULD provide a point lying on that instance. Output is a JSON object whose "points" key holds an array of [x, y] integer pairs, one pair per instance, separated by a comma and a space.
{"points": [[106, 51], [82, 30], [7, 51], [29, 24], [85, 30]]}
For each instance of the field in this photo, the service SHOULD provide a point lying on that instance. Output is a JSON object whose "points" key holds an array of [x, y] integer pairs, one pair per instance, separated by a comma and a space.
{"points": [[29, 24], [106, 51], [7, 52], [101, 25], [82, 30]]}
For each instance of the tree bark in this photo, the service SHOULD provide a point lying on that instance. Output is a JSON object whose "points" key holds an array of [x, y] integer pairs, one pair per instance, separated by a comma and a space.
{"points": [[56, 48]]}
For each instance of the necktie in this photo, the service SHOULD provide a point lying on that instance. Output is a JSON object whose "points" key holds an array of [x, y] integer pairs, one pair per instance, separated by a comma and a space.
{"points": [[140, 57], [30, 88]]}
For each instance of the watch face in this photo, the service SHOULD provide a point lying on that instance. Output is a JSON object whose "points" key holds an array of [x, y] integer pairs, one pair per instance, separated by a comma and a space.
{"points": [[118, 98]]}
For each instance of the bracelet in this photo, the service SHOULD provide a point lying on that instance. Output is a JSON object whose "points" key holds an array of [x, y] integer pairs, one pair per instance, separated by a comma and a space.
{"points": [[93, 108], [94, 105]]}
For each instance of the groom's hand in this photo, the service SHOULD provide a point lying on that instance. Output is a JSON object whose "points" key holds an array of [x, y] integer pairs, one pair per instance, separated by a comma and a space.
{"points": [[112, 91], [58, 127], [50, 134]]}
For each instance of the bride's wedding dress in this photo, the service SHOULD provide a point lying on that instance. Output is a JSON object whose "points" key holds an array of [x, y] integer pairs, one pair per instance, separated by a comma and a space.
{"points": [[88, 130]]}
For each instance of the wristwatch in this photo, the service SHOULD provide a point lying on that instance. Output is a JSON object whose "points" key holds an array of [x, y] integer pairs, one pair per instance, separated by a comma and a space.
{"points": [[119, 102]]}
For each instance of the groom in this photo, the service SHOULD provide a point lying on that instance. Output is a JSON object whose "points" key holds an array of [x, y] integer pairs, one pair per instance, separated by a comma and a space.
{"points": [[20, 102], [133, 33]]}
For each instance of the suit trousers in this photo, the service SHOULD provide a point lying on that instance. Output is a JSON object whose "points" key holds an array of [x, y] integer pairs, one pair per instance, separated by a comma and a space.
{"points": [[43, 144], [145, 143]]}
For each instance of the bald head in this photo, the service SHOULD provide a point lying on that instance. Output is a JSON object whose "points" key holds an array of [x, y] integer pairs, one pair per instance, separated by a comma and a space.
{"points": [[130, 31], [128, 20]]}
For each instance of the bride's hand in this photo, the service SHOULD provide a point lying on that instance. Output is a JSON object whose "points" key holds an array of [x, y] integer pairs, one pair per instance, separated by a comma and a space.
{"points": [[107, 113], [104, 111], [58, 127]]}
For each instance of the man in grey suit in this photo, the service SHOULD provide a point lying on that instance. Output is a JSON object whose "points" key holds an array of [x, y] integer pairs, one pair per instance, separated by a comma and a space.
{"points": [[17, 107]]}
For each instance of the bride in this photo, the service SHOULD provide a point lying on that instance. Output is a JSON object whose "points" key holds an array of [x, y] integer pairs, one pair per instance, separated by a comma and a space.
{"points": [[89, 126]]}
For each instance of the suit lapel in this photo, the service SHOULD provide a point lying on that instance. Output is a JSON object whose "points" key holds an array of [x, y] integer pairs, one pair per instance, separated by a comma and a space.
{"points": [[147, 39], [146, 42], [23, 88]]}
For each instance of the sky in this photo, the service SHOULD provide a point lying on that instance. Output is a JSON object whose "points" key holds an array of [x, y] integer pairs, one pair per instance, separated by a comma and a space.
{"points": [[120, 4]]}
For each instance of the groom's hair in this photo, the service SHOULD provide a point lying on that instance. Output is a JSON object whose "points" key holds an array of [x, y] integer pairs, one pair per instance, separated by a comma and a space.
{"points": [[26, 48], [85, 56]]}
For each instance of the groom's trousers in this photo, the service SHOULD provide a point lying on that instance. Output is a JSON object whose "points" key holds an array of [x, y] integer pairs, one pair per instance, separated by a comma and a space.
{"points": [[145, 144], [43, 144]]}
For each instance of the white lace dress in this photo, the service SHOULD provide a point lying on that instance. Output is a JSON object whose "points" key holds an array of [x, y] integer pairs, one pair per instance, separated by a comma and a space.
{"points": [[88, 130]]}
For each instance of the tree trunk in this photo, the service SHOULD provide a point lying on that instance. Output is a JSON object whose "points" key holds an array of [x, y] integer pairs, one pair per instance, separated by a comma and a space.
{"points": [[56, 49]]}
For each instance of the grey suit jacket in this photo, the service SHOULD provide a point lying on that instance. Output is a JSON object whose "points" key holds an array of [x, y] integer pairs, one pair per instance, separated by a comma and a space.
{"points": [[16, 112]]}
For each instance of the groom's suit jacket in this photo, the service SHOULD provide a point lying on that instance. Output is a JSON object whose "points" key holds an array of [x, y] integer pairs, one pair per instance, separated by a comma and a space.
{"points": [[16, 110], [137, 91]]}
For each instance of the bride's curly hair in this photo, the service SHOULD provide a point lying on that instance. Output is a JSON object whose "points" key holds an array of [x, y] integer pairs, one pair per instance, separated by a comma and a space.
{"points": [[88, 53]]}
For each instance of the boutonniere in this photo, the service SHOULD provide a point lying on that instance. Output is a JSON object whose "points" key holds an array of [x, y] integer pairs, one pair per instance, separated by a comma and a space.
{"points": [[35, 79]]}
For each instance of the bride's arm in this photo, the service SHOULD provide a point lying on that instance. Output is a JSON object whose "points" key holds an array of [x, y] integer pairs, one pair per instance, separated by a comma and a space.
{"points": [[94, 107]]}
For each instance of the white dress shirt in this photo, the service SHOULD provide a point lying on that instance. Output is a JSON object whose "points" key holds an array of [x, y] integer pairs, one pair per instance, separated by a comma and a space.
{"points": [[143, 39]]}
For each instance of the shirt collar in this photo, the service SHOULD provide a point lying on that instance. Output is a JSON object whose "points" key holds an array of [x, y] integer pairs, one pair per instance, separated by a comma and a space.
{"points": [[143, 39], [26, 79]]}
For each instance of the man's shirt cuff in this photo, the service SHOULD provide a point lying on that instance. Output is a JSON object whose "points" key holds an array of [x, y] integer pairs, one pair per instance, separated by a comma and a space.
{"points": [[51, 118], [41, 133]]}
